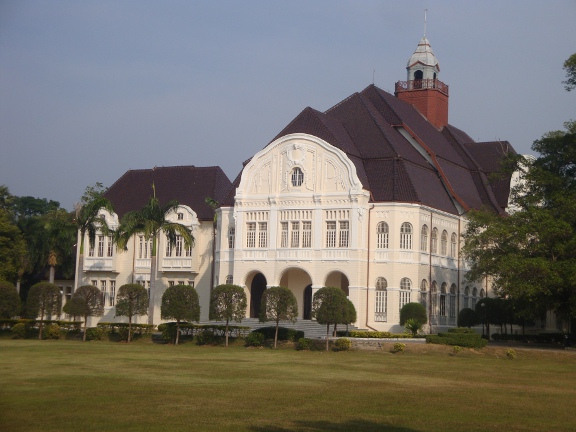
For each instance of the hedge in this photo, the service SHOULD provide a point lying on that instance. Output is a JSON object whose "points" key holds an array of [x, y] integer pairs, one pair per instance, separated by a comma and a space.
{"points": [[284, 334], [467, 340], [378, 335]]}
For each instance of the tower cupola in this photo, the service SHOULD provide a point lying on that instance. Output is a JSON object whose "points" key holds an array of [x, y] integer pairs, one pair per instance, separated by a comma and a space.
{"points": [[422, 88]]}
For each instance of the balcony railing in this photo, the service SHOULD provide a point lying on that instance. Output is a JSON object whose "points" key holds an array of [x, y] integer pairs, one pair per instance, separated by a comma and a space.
{"points": [[176, 263], [423, 84], [98, 264]]}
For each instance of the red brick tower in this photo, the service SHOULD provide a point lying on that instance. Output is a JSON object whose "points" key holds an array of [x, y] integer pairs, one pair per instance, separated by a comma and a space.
{"points": [[423, 89]]}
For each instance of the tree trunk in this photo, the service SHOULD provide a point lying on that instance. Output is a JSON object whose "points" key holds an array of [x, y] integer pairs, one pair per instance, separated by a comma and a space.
{"points": [[85, 321], [129, 328], [52, 272], [152, 296], [177, 331], [276, 335], [327, 335], [226, 332], [41, 324]]}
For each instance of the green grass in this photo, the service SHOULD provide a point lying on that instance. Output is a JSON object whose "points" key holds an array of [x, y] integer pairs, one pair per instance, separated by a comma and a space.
{"points": [[103, 386]]}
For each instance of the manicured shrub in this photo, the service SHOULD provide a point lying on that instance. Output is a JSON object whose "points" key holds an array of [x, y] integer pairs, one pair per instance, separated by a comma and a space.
{"points": [[511, 354], [342, 344], [52, 331], [370, 334], [96, 333], [284, 334], [415, 311], [468, 318], [20, 331], [398, 347], [255, 339], [206, 337], [461, 330], [463, 340], [304, 344], [456, 349]]}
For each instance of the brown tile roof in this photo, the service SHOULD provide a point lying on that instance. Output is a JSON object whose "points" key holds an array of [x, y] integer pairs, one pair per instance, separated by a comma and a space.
{"points": [[189, 185], [447, 167]]}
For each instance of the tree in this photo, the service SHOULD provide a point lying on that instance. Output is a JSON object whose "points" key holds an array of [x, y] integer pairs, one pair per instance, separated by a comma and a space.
{"points": [[468, 318], [88, 219], [531, 253], [131, 300], [149, 222], [44, 299], [415, 311], [12, 247], [180, 302], [9, 300], [570, 68], [61, 236], [329, 306], [86, 301], [228, 303], [278, 304], [484, 309]]}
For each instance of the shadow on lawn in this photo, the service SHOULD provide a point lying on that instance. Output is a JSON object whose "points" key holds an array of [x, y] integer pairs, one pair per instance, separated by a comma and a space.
{"points": [[325, 426]]}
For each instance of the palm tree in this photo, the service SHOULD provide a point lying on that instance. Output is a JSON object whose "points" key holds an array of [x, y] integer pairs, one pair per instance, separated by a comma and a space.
{"points": [[60, 238], [149, 222], [89, 220]]}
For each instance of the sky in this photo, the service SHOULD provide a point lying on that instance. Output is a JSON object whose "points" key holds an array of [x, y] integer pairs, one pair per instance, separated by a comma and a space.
{"points": [[91, 89]]}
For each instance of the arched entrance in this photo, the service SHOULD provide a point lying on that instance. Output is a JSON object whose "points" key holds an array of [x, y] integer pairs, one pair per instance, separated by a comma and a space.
{"points": [[307, 311], [298, 281], [339, 280], [257, 288]]}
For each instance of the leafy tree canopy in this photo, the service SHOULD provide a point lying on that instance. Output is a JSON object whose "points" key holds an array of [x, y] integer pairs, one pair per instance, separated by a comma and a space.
{"points": [[228, 303], [531, 254], [131, 300], [278, 304], [9, 300], [570, 68], [180, 303], [44, 299], [330, 306], [86, 301]]}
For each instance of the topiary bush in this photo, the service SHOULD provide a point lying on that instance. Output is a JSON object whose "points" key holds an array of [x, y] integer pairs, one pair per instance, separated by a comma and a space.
{"points": [[304, 344], [255, 339], [511, 354], [96, 333], [468, 318], [284, 334], [342, 344], [398, 347], [52, 331], [460, 330], [19, 331], [206, 337], [415, 311]]}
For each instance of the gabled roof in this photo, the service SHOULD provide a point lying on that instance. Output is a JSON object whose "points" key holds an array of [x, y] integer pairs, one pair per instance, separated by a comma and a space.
{"points": [[401, 157], [189, 185]]}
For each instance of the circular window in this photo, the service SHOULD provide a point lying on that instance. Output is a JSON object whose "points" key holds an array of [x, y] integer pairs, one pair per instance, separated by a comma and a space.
{"points": [[297, 177]]}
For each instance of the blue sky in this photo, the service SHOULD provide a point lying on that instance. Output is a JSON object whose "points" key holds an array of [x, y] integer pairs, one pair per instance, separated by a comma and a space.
{"points": [[91, 89]]}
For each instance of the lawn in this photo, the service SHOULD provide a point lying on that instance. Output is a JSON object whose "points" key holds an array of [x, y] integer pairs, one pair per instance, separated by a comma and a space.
{"points": [[105, 386]]}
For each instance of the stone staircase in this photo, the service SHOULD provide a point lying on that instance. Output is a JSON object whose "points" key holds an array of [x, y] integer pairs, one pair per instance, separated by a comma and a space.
{"points": [[311, 329]]}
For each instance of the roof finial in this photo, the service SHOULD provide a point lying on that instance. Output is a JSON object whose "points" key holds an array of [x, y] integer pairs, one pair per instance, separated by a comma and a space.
{"points": [[425, 12]]}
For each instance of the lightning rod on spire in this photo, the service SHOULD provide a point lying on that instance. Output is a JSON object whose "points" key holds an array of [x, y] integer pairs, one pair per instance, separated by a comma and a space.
{"points": [[425, 12]]}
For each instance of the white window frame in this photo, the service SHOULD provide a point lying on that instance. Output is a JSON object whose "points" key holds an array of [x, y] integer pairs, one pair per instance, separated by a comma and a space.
{"points": [[382, 235], [406, 236]]}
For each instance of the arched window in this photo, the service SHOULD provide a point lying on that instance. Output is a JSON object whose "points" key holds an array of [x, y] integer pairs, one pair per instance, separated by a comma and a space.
{"points": [[231, 237], [474, 298], [424, 238], [482, 294], [444, 242], [423, 292], [229, 280], [297, 177], [406, 236], [380, 305], [443, 299], [434, 298], [382, 235], [452, 305], [418, 75], [467, 297], [453, 245], [405, 285], [434, 241]]}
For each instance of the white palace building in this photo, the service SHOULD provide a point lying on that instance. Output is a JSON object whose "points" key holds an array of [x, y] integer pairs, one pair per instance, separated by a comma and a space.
{"points": [[370, 196]]}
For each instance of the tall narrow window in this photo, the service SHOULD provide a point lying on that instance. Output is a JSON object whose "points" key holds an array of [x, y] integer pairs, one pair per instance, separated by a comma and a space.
{"points": [[101, 246], [295, 240], [434, 298], [103, 291], [424, 292], [452, 306], [380, 305], [406, 236], [331, 234], [424, 238], [112, 297], [306, 234], [405, 285], [443, 299], [178, 247], [231, 237], [229, 280], [382, 236], [110, 248], [188, 250], [344, 234], [453, 245], [283, 234], [251, 234], [91, 251], [434, 241], [474, 298], [297, 177], [443, 243], [263, 234], [168, 248]]}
